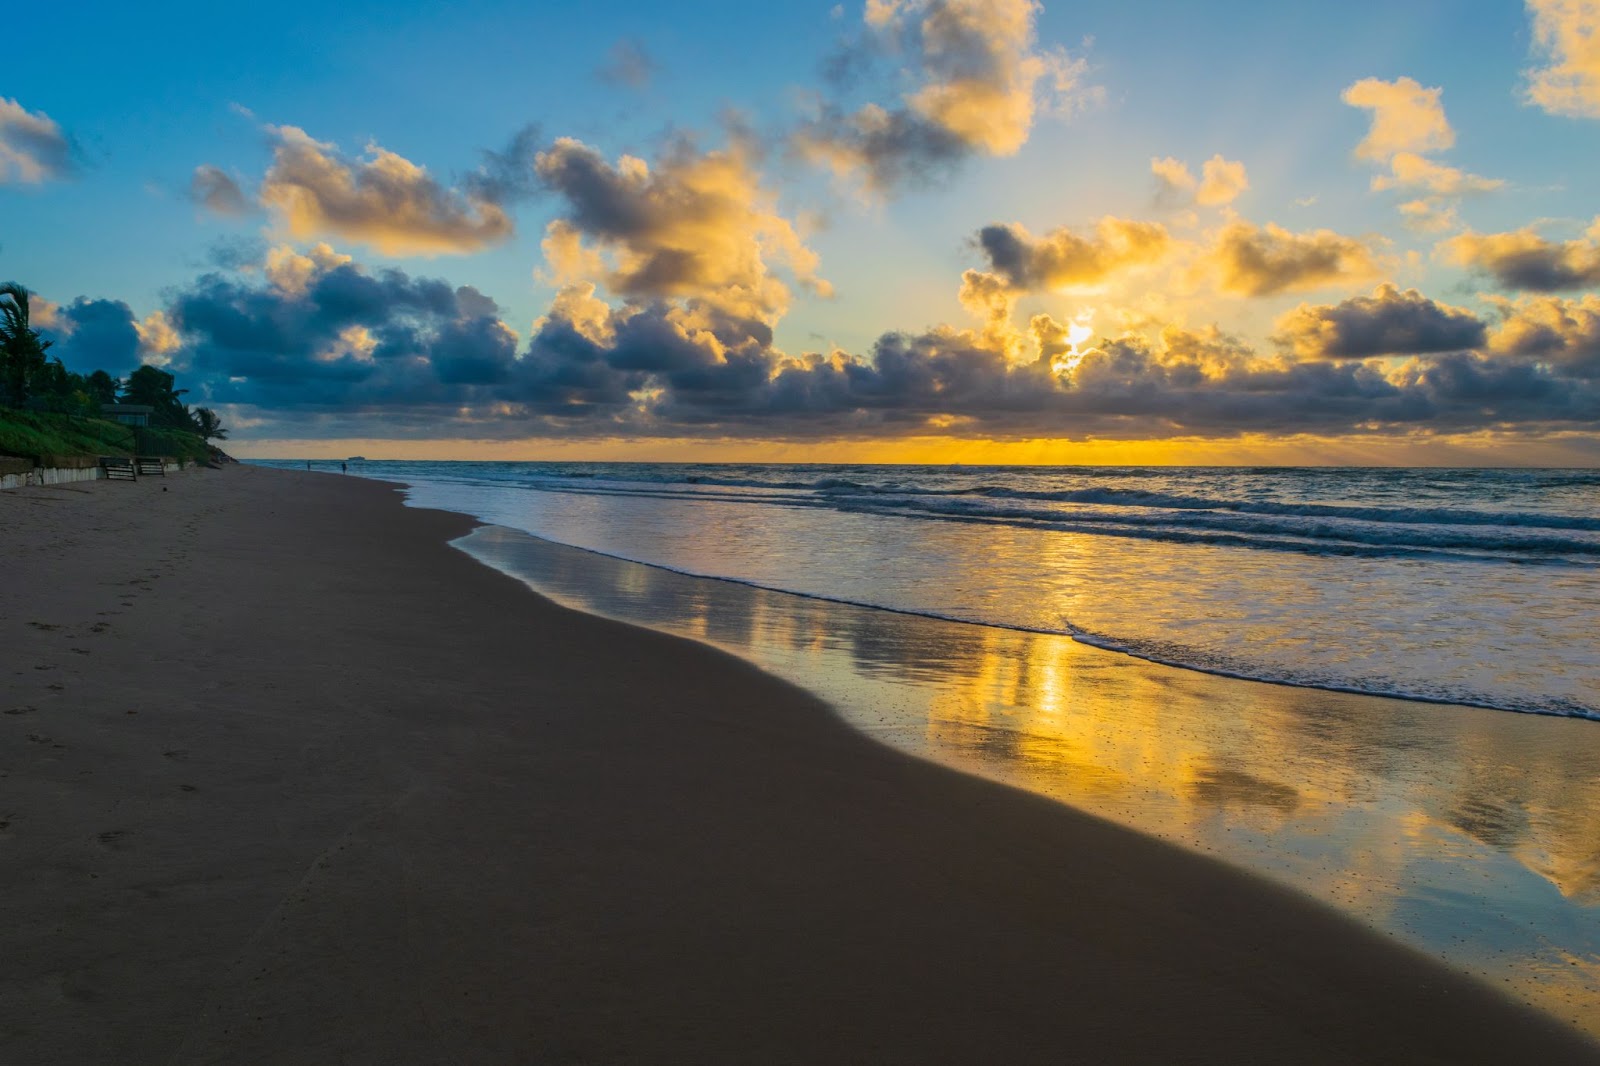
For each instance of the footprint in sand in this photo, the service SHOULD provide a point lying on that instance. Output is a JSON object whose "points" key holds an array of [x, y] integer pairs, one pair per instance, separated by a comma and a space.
{"points": [[46, 626], [40, 738], [100, 627], [21, 710], [112, 838], [180, 754]]}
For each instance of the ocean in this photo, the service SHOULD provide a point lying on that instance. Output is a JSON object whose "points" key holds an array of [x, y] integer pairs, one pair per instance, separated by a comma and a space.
{"points": [[1478, 587], [1424, 757]]}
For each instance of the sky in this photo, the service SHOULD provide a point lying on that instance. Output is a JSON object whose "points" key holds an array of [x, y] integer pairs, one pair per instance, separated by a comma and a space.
{"points": [[915, 230]]}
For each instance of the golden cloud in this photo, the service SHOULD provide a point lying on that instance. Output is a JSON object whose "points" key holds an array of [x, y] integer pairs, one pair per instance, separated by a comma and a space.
{"points": [[157, 338], [383, 201], [1522, 259], [1430, 214], [1564, 333], [1409, 170], [696, 226], [291, 272], [1262, 261], [1405, 118], [1063, 259], [1221, 180], [981, 82], [1567, 33]]}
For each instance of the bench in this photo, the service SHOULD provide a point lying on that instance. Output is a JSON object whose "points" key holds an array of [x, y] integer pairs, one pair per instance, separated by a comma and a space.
{"points": [[118, 468]]}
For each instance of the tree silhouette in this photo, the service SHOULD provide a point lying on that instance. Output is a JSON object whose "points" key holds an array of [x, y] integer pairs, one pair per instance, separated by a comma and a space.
{"points": [[208, 425], [152, 387], [22, 358]]}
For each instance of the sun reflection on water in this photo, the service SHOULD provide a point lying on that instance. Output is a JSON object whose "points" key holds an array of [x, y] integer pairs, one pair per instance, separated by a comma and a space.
{"points": [[1472, 834]]}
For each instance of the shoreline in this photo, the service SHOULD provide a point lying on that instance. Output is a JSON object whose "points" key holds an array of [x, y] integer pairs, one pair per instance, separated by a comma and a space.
{"points": [[1218, 765], [1088, 640], [313, 783]]}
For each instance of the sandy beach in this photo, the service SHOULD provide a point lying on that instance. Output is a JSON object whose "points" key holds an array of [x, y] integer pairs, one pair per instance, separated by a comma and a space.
{"points": [[286, 779]]}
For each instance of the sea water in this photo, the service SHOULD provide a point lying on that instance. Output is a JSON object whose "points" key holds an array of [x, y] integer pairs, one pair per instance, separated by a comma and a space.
{"points": [[990, 602], [1467, 586]]}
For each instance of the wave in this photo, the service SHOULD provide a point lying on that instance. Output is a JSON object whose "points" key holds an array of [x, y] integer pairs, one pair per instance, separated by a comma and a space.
{"points": [[835, 485], [1311, 530], [1162, 653]]}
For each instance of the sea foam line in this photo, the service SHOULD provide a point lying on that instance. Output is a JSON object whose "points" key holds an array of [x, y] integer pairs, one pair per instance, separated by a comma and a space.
{"points": [[1110, 645]]}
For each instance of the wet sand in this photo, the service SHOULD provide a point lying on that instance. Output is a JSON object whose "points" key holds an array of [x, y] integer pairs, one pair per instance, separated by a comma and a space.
{"points": [[289, 780]]}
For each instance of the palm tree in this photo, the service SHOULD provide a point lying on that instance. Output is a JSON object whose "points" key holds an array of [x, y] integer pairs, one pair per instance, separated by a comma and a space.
{"points": [[208, 425], [21, 350]]}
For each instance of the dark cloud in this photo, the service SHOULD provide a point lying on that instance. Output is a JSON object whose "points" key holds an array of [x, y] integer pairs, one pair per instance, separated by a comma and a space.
{"points": [[91, 335], [1389, 322], [1524, 260], [1263, 261], [893, 149], [627, 65], [1548, 329], [215, 190], [340, 338], [507, 175], [317, 341]]}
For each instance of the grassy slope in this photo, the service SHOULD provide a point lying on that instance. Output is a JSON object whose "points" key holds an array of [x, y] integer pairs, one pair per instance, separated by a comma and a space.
{"points": [[31, 435]]}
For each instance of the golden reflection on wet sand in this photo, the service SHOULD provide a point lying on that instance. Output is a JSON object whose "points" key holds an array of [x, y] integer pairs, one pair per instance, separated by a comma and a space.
{"points": [[1472, 834]]}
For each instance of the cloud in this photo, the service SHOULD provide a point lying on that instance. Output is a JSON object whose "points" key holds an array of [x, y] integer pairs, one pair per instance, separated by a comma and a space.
{"points": [[215, 190], [979, 80], [1561, 333], [1430, 214], [1174, 180], [1062, 259], [1522, 259], [1221, 181], [627, 65], [1409, 170], [291, 272], [1405, 118], [1389, 322], [333, 336], [32, 147], [697, 225], [1567, 36], [90, 334], [383, 200], [1262, 261], [345, 350]]}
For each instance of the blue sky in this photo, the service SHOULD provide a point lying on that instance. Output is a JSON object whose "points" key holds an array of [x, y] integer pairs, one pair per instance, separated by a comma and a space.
{"points": [[834, 289]]}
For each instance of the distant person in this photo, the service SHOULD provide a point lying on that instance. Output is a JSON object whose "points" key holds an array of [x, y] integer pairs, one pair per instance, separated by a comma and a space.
{"points": [[344, 468], [308, 464]]}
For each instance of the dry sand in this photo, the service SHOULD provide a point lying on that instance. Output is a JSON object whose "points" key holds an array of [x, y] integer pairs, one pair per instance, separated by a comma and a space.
{"points": [[287, 780]]}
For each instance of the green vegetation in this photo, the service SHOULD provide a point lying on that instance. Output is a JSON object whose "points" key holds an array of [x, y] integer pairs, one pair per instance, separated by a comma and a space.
{"points": [[34, 435], [46, 409]]}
